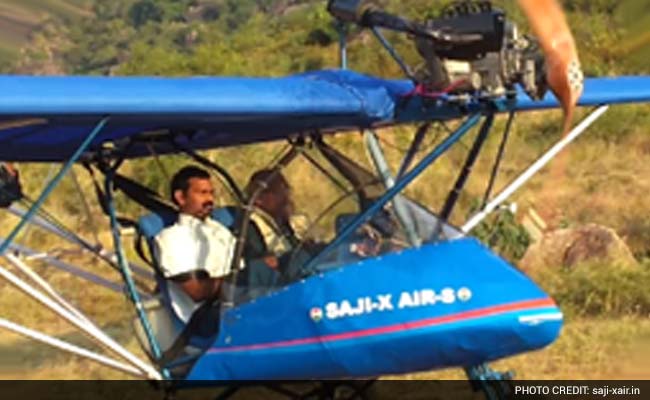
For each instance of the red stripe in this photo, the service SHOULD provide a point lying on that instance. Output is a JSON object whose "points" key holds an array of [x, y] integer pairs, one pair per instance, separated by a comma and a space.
{"points": [[484, 312]]}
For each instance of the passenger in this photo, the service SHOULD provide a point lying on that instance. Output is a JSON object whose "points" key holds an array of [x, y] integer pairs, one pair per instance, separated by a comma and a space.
{"points": [[274, 236], [194, 254], [272, 213]]}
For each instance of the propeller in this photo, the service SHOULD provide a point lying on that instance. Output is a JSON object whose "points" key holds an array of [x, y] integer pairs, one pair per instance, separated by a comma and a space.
{"points": [[564, 73]]}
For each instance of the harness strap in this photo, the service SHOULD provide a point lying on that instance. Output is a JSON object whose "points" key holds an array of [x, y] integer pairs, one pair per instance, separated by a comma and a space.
{"points": [[99, 192], [137, 192], [497, 161], [142, 195], [139, 249]]}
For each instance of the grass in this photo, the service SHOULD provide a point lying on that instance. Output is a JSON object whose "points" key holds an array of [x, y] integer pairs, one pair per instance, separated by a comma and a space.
{"points": [[595, 348], [595, 289]]}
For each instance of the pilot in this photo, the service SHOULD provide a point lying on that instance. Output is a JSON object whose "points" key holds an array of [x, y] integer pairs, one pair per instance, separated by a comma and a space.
{"points": [[194, 254]]}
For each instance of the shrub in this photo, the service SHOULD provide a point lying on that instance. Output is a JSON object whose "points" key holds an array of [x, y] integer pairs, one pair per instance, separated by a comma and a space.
{"points": [[599, 290], [503, 234]]}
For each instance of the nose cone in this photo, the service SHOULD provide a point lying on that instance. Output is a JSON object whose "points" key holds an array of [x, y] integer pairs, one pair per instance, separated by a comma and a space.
{"points": [[539, 328]]}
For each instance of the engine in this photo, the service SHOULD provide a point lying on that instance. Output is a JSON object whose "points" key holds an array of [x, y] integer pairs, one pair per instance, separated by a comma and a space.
{"points": [[471, 47]]}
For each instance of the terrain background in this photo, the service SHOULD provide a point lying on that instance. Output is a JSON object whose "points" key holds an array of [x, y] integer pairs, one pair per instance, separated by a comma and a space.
{"points": [[606, 180]]}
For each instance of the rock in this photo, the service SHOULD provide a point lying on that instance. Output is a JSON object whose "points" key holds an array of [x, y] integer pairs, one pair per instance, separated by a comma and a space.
{"points": [[573, 246]]}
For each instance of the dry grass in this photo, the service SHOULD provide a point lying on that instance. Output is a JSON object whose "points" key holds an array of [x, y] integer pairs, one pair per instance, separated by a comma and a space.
{"points": [[587, 349]]}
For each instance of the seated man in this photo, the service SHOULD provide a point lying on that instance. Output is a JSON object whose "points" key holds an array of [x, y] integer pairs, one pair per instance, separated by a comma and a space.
{"points": [[196, 252], [272, 214], [274, 238]]}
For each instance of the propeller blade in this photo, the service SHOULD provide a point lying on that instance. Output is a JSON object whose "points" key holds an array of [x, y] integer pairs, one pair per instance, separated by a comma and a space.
{"points": [[564, 73]]}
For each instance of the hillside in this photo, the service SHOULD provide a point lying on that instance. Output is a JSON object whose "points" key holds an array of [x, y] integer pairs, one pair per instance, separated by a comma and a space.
{"points": [[18, 18], [612, 33], [634, 15]]}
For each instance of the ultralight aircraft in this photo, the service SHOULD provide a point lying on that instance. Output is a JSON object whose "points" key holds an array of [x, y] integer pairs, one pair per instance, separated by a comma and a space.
{"points": [[430, 297]]}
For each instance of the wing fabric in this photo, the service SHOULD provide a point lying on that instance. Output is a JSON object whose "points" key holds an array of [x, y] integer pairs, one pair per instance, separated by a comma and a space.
{"points": [[46, 118]]}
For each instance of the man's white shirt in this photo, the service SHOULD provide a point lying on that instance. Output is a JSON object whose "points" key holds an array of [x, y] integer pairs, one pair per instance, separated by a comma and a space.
{"points": [[192, 244]]}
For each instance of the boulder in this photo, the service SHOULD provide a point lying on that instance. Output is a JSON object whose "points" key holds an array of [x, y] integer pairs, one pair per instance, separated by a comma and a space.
{"points": [[572, 246]]}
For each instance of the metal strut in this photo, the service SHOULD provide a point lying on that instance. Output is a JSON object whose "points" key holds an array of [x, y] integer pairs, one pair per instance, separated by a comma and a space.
{"points": [[103, 254], [69, 347], [383, 169], [343, 44], [533, 169], [52, 261], [393, 53], [324, 171], [83, 324], [126, 271], [413, 149], [20, 265], [453, 196], [399, 186], [497, 161], [52, 184], [54, 301]]}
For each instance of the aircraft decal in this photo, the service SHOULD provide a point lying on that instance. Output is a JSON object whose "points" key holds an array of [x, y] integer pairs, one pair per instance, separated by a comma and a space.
{"points": [[388, 302], [520, 306]]}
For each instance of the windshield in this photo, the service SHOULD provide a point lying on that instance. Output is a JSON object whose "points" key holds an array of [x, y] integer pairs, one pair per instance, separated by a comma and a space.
{"points": [[356, 190]]}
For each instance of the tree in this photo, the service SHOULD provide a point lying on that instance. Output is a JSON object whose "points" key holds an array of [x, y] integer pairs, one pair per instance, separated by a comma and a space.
{"points": [[144, 11]]}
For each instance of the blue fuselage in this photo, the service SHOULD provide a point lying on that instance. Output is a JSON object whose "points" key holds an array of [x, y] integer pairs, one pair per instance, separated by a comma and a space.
{"points": [[449, 304]]}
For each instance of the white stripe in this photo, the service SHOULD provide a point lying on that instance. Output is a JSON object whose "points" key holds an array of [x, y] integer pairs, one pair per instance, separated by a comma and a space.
{"points": [[539, 318]]}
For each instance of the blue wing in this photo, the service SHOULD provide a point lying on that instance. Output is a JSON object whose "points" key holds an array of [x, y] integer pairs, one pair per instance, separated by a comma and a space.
{"points": [[46, 118]]}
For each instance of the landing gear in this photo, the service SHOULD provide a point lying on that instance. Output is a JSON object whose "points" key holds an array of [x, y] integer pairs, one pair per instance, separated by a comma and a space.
{"points": [[495, 385]]}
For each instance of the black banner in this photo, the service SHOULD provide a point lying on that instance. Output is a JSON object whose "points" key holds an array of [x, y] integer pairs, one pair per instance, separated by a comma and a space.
{"points": [[382, 389]]}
